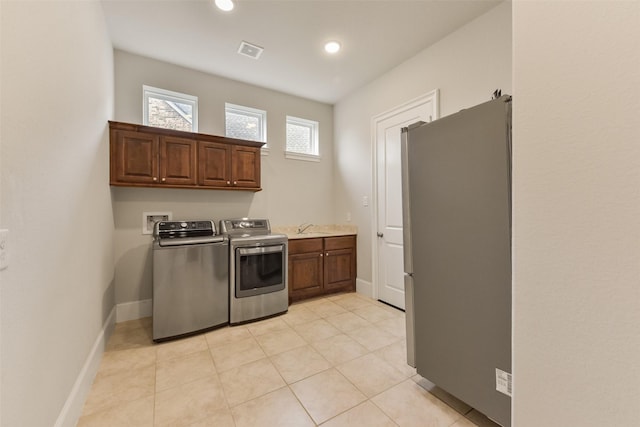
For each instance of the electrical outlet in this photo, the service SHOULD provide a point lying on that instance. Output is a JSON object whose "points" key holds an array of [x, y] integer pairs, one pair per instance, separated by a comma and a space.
{"points": [[150, 218], [348, 216], [4, 249]]}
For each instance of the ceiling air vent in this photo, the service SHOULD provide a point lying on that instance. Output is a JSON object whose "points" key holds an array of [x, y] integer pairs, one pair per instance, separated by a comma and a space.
{"points": [[250, 50]]}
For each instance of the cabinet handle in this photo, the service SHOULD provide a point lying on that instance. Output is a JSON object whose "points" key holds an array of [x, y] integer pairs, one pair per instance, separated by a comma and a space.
{"points": [[235, 182], [327, 253], [164, 179], [228, 182], [155, 178], [320, 255]]}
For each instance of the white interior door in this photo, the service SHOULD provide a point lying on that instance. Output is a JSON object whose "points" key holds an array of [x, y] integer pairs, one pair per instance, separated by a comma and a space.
{"points": [[390, 275]]}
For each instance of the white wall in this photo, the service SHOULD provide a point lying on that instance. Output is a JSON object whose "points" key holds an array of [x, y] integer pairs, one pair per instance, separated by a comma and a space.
{"points": [[466, 66], [293, 192], [57, 294], [576, 213]]}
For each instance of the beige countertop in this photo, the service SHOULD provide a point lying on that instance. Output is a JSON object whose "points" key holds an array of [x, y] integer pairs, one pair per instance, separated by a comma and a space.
{"points": [[313, 231]]}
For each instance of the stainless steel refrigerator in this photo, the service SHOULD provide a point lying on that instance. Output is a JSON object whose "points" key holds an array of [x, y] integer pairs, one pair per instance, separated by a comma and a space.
{"points": [[457, 254]]}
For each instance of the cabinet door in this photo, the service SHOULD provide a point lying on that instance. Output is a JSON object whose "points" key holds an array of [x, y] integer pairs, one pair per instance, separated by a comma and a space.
{"points": [[246, 166], [305, 275], [214, 165], [136, 158], [178, 161], [339, 269]]}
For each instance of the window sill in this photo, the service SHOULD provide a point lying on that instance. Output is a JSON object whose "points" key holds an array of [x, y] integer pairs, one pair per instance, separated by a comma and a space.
{"points": [[301, 156]]}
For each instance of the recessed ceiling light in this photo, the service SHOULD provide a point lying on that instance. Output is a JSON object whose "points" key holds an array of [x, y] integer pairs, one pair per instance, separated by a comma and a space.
{"points": [[332, 47], [226, 5]]}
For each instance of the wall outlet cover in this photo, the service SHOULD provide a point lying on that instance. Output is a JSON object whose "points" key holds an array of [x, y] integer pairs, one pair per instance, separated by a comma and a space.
{"points": [[150, 218]]}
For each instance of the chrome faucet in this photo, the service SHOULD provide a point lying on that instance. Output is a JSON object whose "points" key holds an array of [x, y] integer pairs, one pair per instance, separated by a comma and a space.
{"points": [[303, 227]]}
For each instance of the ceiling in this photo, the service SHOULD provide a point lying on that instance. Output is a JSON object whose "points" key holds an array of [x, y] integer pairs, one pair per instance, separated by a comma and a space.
{"points": [[376, 36]]}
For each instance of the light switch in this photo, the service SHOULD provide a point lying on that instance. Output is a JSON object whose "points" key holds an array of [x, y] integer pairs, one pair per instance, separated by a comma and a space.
{"points": [[365, 201], [4, 249]]}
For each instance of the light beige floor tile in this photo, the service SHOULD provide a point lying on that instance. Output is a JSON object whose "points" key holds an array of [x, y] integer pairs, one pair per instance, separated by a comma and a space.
{"points": [[299, 363], [316, 330], [394, 325], [144, 322], [458, 405], [181, 370], [327, 394], [279, 341], [396, 355], [337, 296], [266, 326], [325, 308], [408, 405], [347, 321], [463, 422], [227, 335], [135, 413], [125, 361], [371, 374], [238, 353], [299, 316], [372, 337], [373, 313], [111, 390], [189, 403], [390, 309], [250, 381], [351, 302], [365, 414], [220, 418], [278, 408], [339, 349], [128, 337], [181, 347], [124, 388]]}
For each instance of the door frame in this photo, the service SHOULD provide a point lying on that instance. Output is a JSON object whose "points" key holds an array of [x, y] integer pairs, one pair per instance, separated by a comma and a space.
{"points": [[432, 96]]}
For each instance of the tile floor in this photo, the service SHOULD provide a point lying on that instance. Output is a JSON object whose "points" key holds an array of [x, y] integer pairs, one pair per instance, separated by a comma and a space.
{"points": [[335, 361]]}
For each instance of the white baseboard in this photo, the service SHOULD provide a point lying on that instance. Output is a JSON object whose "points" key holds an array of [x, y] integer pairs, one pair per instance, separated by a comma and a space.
{"points": [[72, 408], [133, 310], [365, 288]]}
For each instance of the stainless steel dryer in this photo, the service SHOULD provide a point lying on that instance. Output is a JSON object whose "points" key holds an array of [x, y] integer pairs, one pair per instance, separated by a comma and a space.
{"points": [[257, 270], [190, 278]]}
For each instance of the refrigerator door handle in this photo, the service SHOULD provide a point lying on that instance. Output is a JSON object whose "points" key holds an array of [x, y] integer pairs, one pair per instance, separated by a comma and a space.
{"points": [[406, 217]]}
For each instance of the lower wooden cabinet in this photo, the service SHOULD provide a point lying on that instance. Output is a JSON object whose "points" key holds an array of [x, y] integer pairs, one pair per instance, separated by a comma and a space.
{"points": [[321, 266]]}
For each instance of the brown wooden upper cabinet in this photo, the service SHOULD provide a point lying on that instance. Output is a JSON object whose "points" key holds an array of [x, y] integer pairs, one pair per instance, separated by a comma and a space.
{"points": [[223, 165], [145, 156]]}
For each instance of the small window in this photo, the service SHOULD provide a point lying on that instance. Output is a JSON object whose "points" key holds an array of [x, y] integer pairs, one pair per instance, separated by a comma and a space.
{"points": [[302, 139], [245, 123], [170, 110]]}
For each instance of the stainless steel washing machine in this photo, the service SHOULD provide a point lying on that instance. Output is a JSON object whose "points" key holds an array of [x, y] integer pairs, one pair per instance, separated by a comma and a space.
{"points": [[190, 278]]}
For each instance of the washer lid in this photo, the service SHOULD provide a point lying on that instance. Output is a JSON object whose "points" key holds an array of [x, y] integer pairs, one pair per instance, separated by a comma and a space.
{"points": [[184, 229]]}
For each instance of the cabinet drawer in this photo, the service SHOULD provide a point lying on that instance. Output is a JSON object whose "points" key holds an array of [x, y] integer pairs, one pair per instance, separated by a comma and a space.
{"points": [[342, 242], [300, 246]]}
